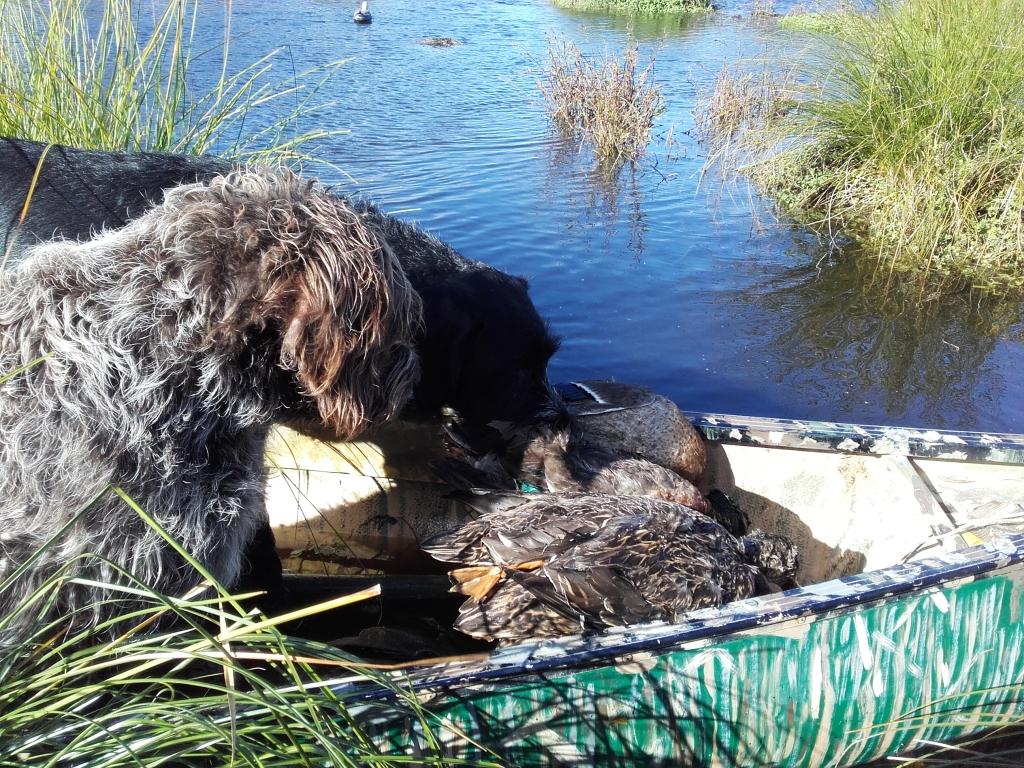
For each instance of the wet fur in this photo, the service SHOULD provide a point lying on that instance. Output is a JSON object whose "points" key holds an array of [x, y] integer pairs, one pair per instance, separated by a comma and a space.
{"points": [[170, 345]]}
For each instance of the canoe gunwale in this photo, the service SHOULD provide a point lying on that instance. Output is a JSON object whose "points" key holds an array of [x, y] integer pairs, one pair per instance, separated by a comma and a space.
{"points": [[995, 447]]}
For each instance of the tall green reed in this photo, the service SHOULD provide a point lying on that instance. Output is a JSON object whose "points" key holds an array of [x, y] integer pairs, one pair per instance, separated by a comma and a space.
{"points": [[195, 679], [121, 74]]}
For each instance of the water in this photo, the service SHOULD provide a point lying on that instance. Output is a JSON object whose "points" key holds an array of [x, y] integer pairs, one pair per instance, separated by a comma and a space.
{"points": [[650, 278]]}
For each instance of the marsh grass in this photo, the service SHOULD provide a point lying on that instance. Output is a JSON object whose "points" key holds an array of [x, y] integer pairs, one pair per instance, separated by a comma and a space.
{"points": [[120, 74], [610, 103], [638, 7], [995, 710], [741, 100], [816, 22], [908, 134], [218, 686]]}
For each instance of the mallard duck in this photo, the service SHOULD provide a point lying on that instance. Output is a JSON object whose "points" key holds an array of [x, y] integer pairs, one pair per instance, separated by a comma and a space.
{"points": [[543, 565], [555, 455], [632, 419], [362, 14]]}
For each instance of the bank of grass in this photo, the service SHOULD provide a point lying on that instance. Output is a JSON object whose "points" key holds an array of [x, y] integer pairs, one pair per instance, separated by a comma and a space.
{"points": [[119, 74], [608, 101], [638, 7], [218, 686], [909, 136]]}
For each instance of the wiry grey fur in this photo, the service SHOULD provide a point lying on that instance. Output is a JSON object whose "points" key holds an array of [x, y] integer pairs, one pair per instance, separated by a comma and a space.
{"points": [[170, 345]]}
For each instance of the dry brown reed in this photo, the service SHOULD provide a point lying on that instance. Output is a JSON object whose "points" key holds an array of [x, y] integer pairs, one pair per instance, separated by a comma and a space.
{"points": [[738, 101], [609, 102]]}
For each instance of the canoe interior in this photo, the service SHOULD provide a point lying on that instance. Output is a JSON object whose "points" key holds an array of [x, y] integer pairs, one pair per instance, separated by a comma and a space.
{"points": [[346, 513]]}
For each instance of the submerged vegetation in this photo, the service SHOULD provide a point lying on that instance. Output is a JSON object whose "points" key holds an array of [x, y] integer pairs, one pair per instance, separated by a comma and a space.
{"points": [[610, 103], [101, 77], [440, 42], [640, 7], [908, 135]]}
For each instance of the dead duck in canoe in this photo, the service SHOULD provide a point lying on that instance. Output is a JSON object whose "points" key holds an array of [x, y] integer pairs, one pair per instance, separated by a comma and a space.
{"points": [[557, 455], [362, 14], [634, 419], [540, 565]]}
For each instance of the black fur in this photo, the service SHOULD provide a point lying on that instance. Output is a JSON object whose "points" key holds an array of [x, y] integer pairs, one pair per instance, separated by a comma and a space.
{"points": [[79, 191]]}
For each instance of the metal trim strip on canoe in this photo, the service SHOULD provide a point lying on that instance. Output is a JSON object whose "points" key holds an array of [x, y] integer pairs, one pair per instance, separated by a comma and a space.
{"points": [[997, 447], [805, 602]]}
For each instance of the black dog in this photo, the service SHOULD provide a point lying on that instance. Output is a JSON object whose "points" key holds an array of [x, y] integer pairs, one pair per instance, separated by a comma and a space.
{"points": [[484, 348]]}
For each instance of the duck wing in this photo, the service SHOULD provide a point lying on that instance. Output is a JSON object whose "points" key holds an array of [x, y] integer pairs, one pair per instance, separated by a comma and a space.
{"points": [[594, 597], [599, 580], [626, 476], [587, 398], [512, 613], [645, 567], [515, 528], [529, 605]]}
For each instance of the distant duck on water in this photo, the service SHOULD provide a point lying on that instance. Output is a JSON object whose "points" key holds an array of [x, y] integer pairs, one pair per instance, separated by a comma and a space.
{"points": [[362, 14]]}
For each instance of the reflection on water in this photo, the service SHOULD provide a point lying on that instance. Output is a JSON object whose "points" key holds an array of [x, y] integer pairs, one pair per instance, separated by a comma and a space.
{"points": [[881, 345], [648, 275], [610, 198]]}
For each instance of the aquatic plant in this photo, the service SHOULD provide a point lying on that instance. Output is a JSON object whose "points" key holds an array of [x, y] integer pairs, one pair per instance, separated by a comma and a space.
{"points": [[219, 685], [908, 135], [111, 77], [439, 42], [742, 100], [639, 7], [608, 102], [815, 22]]}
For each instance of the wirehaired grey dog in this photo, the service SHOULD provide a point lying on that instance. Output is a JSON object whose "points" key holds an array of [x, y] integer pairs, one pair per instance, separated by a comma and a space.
{"points": [[169, 345]]}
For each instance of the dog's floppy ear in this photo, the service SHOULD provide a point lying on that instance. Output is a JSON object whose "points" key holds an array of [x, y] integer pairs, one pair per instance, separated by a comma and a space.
{"points": [[349, 317], [301, 260]]}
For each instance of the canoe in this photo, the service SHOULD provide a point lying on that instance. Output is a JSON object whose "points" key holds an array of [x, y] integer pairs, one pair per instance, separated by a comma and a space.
{"points": [[908, 627]]}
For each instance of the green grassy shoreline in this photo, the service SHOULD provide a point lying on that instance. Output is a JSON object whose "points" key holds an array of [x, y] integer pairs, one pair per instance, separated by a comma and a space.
{"points": [[86, 75], [905, 132]]}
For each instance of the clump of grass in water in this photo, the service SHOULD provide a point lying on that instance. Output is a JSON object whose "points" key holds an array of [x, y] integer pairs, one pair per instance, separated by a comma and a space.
{"points": [[610, 103], [72, 73], [815, 22], [221, 687], [639, 7], [910, 138], [742, 100]]}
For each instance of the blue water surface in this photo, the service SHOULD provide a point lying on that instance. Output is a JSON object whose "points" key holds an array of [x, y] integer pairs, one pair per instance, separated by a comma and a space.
{"points": [[653, 277]]}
